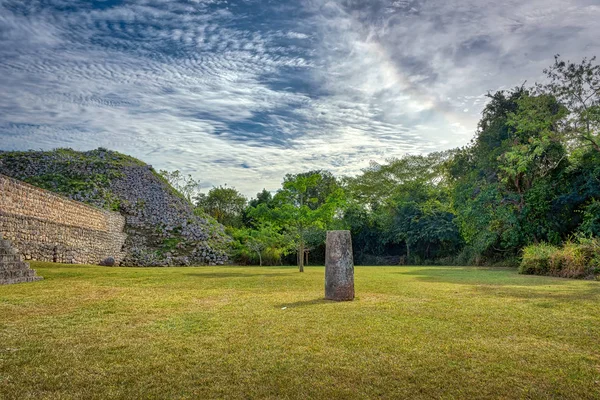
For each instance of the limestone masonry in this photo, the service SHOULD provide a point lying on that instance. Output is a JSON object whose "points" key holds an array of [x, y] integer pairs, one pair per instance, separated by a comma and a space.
{"points": [[161, 228], [48, 227], [12, 268]]}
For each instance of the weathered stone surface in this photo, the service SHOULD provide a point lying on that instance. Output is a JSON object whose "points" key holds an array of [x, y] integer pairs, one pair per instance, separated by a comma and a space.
{"points": [[108, 262], [12, 268], [339, 266], [162, 228], [48, 227]]}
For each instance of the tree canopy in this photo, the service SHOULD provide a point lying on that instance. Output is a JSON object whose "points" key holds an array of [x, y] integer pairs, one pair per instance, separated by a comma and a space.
{"points": [[530, 174]]}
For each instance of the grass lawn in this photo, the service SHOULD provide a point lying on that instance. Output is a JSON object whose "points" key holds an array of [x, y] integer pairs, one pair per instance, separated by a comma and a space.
{"points": [[233, 332]]}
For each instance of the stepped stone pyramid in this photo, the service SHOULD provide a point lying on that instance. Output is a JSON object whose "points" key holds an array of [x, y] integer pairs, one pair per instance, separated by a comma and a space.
{"points": [[12, 268]]}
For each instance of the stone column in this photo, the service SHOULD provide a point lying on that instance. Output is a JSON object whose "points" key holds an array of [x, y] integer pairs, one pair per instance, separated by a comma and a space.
{"points": [[339, 266]]}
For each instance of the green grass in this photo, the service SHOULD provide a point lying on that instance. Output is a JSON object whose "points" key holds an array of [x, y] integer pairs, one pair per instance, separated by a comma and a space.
{"points": [[222, 332]]}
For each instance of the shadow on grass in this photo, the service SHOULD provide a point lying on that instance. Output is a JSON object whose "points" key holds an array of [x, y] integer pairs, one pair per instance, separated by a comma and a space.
{"points": [[482, 276], [234, 275], [306, 303], [506, 282], [552, 295]]}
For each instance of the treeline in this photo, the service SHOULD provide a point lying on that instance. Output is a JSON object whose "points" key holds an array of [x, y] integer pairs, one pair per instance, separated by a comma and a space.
{"points": [[530, 175]]}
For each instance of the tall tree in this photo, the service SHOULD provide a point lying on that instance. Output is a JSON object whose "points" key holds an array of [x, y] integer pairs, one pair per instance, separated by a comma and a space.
{"points": [[476, 194], [536, 145], [225, 204], [298, 212], [504, 184], [379, 183], [404, 203], [263, 197], [577, 86]]}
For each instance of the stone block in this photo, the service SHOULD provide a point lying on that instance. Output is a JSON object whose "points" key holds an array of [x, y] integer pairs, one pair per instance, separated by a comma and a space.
{"points": [[12, 269], [339, 266]]}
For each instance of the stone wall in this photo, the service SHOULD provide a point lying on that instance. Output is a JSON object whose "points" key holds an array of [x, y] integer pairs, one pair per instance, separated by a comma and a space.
{"points": [[12, 268], [163, 229], [48, 227]]}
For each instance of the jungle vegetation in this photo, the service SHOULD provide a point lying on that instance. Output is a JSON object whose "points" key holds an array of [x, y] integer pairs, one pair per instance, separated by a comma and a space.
{"points": [[529, 179]]}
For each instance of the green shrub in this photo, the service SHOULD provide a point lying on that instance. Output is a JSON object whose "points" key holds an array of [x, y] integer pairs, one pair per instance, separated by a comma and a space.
{"points": [[569, 262], [537, 259], [591, 247], [575, 259]]}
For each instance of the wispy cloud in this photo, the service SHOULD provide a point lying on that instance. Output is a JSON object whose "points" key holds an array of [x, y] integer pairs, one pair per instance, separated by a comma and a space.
{"points": [[243, 92]]}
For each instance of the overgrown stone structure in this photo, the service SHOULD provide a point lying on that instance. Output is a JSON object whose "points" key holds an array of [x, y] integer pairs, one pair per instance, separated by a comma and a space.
{"points": [[48, 227], [339, 266], [12, 267], [162, 228]]}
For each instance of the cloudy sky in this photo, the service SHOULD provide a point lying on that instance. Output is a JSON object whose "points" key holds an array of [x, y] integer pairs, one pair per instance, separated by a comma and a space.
{"points": [[244, 91]]}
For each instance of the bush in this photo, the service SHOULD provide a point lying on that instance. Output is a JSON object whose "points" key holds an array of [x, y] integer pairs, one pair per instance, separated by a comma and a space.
{"points": [[591, 248], [468, 256], [570, 261], [576, 259], [537, 259]]}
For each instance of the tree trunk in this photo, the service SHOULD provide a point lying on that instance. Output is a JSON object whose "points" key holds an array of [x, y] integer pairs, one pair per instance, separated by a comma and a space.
{"points": [[259, 258], [407, 252], [301, 256]]}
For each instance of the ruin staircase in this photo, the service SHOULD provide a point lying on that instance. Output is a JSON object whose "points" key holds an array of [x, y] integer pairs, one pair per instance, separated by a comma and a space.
{"points": [[12, 268]]}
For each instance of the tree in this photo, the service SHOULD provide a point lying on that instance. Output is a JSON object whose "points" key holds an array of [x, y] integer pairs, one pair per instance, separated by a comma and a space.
{"points": [[265, 237], [224, 204], [536, 148], [393, 205], [323, 185], [297, 212], [379, 183], [478, 198], [186, 185], [422, 219], [577, 86], [264, 197], [505, 183]]}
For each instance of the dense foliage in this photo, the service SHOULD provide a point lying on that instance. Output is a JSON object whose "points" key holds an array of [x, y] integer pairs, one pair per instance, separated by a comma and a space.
{"points": [[531, 175]]}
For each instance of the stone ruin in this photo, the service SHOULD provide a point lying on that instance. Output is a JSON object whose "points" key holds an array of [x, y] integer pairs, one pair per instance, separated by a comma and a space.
{"points": [[12, 268], [154, 226], [339, 266], [48, 227]]}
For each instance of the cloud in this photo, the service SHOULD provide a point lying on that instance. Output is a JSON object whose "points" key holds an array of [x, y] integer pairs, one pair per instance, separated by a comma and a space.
{"points": [[244, 92]]}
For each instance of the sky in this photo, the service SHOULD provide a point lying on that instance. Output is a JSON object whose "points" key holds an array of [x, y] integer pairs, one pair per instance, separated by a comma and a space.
{"points": [[242, 92]]}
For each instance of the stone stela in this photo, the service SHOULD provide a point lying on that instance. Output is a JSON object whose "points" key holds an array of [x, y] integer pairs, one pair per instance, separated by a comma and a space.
{"points": [[339, 266]]}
